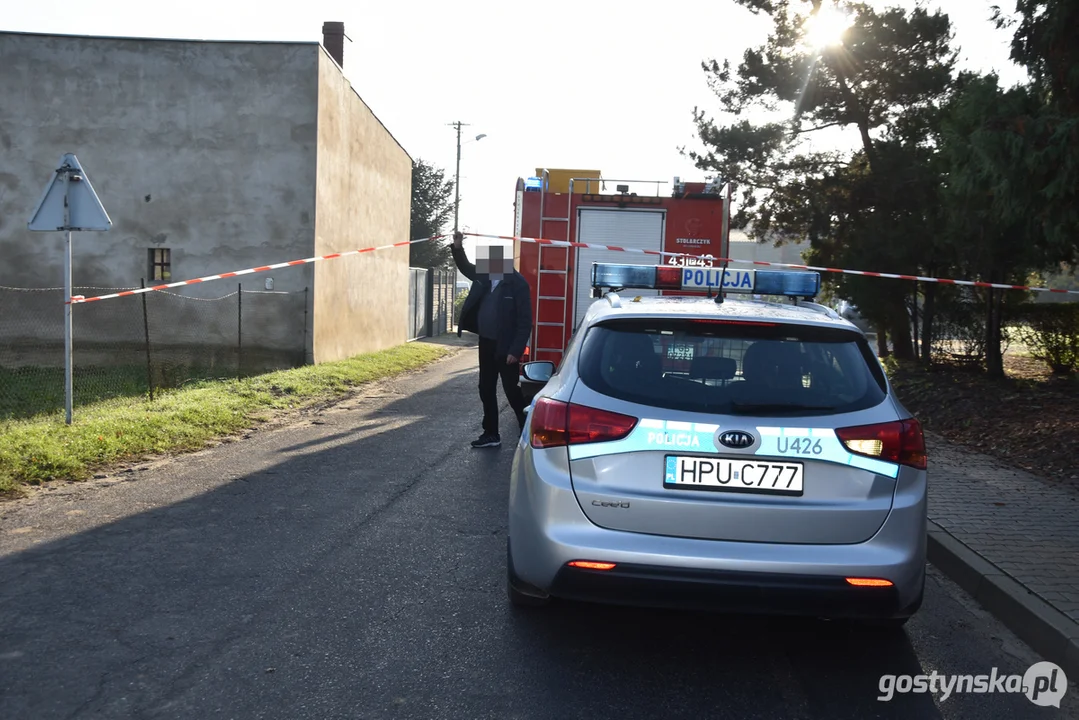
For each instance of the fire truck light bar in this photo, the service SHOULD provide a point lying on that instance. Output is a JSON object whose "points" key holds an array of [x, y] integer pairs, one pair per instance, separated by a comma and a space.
{"points": [[623, 199], [660, 277]]}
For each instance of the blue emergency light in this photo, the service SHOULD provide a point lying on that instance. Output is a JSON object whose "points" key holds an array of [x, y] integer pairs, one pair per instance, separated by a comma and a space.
{"points": [[663, 277]]}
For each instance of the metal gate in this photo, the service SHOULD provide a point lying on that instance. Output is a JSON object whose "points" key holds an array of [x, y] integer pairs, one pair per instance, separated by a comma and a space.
{"points": [[417, 303], [430, 302], [441, 285]]}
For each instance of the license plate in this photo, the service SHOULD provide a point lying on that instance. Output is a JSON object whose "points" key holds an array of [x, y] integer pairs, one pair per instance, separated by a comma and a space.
{"points": [[741, 475]]}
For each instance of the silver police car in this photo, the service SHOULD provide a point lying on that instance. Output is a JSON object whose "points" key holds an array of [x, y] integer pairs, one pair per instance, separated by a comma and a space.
{"points": [[741, 455]]}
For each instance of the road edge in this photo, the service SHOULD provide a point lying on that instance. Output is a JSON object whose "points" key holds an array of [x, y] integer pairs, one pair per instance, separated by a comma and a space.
{"points": [[276, 419], [1048, 631]]}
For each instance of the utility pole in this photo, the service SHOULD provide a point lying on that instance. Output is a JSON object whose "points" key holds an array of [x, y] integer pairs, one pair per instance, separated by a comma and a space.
{"points": [[457, 176]]}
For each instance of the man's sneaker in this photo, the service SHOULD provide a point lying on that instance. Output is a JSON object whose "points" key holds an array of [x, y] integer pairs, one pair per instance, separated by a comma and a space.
{"points": [[487, 440]]}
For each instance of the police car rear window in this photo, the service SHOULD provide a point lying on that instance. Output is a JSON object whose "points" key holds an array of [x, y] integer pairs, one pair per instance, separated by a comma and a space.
{"points": [[732, 368]]}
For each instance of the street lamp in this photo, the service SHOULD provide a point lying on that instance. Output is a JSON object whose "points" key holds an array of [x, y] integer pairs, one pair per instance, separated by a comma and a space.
{"points": [[457, 177]]}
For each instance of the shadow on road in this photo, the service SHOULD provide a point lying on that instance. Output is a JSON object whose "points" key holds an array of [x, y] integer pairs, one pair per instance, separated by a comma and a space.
{"points": [[356, 574], [674, 663], [451, 340]]}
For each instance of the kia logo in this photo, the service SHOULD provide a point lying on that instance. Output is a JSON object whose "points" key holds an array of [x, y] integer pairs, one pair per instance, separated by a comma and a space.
{"points": [[736, 439]]}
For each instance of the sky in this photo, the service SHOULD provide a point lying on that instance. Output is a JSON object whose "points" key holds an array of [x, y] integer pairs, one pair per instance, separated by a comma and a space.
{"points": [[558, 84]]}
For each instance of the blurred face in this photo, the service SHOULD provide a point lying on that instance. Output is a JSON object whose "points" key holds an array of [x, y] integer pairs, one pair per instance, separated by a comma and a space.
{"points": [[493, 260]]}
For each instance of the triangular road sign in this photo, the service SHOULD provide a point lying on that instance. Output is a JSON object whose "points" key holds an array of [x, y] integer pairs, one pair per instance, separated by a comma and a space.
{"points": [[70, 183]]}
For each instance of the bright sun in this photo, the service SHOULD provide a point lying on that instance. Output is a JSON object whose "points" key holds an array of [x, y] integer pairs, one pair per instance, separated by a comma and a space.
{"points": [[826, 28]]}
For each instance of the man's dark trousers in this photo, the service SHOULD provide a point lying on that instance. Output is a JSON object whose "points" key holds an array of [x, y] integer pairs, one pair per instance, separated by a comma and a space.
{"points": [[491, 368]]}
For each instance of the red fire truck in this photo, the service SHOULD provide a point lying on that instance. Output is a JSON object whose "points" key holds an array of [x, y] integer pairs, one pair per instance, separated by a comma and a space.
{"points": [[578, 206]]}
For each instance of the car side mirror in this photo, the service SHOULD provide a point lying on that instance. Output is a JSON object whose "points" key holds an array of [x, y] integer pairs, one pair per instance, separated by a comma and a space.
{"points": [[540, 371], [534, 375]]}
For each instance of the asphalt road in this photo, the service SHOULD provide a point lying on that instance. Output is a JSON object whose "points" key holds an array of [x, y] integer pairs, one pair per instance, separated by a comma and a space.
{"points": [[351, 565]]}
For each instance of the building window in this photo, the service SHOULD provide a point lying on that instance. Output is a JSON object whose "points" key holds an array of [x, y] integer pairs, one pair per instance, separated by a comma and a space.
{"points": [[160, 264]]}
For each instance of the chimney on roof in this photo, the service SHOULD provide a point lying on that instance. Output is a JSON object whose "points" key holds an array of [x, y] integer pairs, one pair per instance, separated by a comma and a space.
{"points": [[333, 39]]}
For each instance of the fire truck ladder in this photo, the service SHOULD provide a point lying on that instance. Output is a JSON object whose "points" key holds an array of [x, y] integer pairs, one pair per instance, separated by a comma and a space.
{"points": [[558, 256]]}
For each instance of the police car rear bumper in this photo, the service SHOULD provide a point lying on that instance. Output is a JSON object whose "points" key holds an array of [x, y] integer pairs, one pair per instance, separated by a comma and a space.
{"points": [[548, 530], [734, 592]]}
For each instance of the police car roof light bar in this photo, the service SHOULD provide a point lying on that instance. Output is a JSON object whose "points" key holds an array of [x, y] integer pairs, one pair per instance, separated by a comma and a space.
{"points": [[789, 284], [793, 284]]}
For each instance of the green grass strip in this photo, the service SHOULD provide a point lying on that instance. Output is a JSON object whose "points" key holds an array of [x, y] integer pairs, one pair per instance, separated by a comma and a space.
{"points": [[45, 448]]}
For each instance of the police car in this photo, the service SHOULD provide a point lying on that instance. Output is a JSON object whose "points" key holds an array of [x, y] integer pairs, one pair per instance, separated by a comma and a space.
{"points": [[732, 454]]}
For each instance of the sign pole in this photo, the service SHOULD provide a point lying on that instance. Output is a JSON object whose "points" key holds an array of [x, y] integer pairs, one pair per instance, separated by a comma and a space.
{"points": [[67, 329], [68, 385], [69, 204]]}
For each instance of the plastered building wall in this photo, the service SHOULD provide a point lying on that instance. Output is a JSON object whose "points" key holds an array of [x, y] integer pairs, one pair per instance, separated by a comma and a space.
{"points": [[363, 199], [205, 148], [232, 155]]}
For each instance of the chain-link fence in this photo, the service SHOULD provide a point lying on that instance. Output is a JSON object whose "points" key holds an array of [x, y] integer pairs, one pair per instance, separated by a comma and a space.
{"points": [[140, 345], [959, 332], [1047, 332]]}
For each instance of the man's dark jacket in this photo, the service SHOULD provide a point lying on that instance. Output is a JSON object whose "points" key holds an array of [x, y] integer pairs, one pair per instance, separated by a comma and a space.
{"points": [[514, 307]]}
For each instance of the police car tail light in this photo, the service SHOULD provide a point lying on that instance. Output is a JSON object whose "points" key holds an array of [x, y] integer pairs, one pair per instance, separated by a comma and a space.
{"points": [[557, 424], [591, 565], [868, 582], [900, 442], [589, 425], [752, 323], [549, 423]]}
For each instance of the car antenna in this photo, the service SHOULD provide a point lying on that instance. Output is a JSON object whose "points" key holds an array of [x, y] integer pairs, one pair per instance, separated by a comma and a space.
{"points": [[722, 279], [729, 190], [709, 259]]}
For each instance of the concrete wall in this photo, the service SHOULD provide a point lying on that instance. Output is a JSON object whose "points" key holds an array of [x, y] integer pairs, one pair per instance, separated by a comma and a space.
{"points": [[205, 148], [363, 200], [745, 249]]}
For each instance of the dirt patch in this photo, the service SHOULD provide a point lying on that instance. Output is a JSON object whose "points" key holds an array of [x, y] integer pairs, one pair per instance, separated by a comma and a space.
{"points": [[1030, 419]]}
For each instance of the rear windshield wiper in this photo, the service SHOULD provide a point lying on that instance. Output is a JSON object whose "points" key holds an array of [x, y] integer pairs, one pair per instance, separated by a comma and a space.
{"points": [[779, 407]]}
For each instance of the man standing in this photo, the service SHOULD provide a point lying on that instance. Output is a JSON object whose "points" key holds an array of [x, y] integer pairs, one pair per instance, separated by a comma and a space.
{"points": [[498, 309]]}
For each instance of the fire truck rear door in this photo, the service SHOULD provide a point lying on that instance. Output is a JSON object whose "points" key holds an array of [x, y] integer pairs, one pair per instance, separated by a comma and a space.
{"points": [[628, 228]]}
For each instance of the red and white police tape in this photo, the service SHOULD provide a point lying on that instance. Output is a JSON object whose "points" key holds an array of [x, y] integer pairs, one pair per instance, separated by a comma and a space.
{"points": [[867, 273], [78, 299]]}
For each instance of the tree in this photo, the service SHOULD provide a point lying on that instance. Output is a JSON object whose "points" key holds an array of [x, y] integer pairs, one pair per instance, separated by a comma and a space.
{"points": [[1045, 44], [432, 208], [998, 243], [1015, 157], [901, 230], [886, 78]]}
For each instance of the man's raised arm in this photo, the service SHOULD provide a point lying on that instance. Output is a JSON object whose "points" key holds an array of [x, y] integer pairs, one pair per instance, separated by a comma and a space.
{"points": [[467, 268]]}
